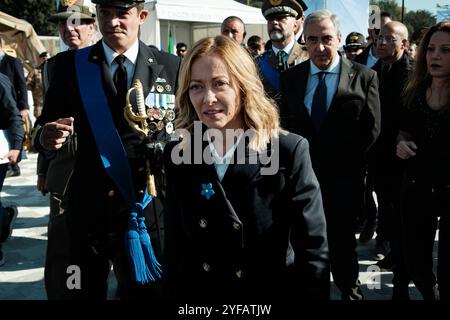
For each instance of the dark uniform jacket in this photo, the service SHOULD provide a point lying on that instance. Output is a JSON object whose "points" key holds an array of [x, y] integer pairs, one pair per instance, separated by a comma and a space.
{"points": [[13, 69], [96, 205], [350, 126], [61, 165], [9, 114], [257, 236], [298, 52]]}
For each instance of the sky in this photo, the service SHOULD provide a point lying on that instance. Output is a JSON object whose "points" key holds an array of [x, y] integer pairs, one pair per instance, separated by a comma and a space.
{"points": [[429, 5]]}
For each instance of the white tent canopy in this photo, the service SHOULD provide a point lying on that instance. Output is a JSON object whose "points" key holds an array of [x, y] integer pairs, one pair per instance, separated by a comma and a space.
{"points": [[206, 11], [193, 19]]}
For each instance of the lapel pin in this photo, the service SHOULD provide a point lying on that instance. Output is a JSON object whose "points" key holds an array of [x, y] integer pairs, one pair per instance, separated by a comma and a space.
{"points": [[207, 191]]}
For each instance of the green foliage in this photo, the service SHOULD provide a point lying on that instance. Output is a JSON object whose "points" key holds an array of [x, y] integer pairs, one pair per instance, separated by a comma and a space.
{"points": [[35, 12], [413, 20], [390, 6]]}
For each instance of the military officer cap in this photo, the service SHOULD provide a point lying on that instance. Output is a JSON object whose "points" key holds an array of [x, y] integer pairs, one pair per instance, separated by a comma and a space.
{"points": [[67, 8], [294, 8], [126, 4], [355, 40]]}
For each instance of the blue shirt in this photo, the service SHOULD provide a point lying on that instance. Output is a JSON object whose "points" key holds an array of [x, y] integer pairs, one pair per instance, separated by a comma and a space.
{"points": [[331, 80]]}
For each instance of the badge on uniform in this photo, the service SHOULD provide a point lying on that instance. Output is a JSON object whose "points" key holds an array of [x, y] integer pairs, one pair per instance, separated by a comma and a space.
{"points": [[161, 102]]}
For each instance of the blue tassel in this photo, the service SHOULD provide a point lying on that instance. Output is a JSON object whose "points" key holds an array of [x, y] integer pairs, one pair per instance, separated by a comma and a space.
{"points": [[150, 258], [137, 259]]}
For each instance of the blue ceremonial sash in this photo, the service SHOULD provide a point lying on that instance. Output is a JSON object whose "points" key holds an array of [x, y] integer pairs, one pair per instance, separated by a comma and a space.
{"points": [[270, 74], [109, 144], [114, 158]]}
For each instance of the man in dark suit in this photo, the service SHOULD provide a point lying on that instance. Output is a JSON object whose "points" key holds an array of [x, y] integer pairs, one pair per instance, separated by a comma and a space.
{"points": [[334, 103], [285, 51], [13, 69], [369, 55], [59, 169], [99, 203], [394, 68], [11, 125]]}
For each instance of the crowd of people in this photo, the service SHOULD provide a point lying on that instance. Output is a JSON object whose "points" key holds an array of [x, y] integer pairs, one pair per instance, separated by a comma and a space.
{"points": [[236, 168]]}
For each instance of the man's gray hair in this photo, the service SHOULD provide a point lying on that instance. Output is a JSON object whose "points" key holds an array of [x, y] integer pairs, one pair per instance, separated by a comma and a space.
{"points": [[320, 15]]}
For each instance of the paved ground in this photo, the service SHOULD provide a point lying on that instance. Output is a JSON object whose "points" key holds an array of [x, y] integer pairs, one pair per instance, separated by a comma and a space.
{"points": [[21, 278]]}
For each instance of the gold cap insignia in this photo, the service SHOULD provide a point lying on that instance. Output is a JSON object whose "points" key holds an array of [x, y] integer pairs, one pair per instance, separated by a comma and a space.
{"points": [[68, 3], [275, 2]]}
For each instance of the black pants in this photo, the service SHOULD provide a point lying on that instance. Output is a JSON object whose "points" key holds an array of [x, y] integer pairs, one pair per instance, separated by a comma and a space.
{"points": [[419, 225], [341, 211]]}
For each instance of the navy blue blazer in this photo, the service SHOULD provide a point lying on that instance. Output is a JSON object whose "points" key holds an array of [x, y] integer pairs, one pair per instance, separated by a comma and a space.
{"points": [[258, 236], [13, 69], [10, 118]]}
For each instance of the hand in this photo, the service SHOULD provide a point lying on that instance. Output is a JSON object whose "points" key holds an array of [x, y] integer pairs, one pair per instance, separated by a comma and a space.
{"points": [[41, 184], [406, 149], [12, 156], [24, 114], [54, 134]]}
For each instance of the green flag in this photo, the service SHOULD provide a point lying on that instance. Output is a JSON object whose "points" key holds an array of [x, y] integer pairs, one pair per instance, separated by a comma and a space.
{"points": [[170, 42]]}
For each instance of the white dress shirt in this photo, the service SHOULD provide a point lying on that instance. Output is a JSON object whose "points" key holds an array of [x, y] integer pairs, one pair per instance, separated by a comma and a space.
{"points": [[221, 163]]}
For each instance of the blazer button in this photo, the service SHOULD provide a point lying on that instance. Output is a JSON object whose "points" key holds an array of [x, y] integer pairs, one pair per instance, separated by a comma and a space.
{"points": [[239, 274], [236, 226], [206, 267], [202, 223], [141, 169], [111, 193]]}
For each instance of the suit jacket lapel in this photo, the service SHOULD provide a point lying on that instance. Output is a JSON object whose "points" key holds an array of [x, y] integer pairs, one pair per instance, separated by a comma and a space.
{"points": [[297, 52], [346, 75], [242, 172]]}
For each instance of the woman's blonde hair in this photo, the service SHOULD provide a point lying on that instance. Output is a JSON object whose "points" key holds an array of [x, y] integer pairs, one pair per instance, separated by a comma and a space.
{"points": [[259, 111]]}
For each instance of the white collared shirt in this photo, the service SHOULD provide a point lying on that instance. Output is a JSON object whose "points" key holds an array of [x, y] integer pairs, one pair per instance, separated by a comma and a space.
{"points": [[331, 80], [221, 163], [286, 49], [130, 61]]}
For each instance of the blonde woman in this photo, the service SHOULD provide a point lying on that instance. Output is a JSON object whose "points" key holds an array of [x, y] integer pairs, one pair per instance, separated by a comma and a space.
{"points": [[244, 215]]}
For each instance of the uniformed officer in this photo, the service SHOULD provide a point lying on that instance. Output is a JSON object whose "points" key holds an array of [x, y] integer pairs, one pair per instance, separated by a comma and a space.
{"points": [[109, 176], [283, 17]]}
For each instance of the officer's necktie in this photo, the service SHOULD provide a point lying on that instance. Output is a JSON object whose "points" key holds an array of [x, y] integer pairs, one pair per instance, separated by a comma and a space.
{"points": [[280, 60], [319, 103], [120, 78]]}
